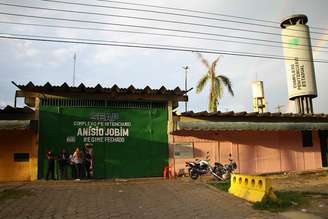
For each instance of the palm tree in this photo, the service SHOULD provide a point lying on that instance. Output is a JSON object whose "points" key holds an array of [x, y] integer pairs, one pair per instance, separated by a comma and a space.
{"points": [[217, 84]]}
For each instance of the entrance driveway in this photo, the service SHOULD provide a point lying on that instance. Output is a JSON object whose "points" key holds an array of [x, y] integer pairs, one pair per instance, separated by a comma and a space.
{"points": [[151, 198]]}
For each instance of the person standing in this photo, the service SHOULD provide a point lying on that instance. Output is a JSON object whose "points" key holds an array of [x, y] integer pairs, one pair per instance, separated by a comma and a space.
{"points": [[63, 158], [72, 165], [88, 163], [76, 158], [51, 164]]}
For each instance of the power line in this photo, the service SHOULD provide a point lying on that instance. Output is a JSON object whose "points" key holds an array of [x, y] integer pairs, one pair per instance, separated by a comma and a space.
{"points": [[154, 19], [188, 10], [148, 33], [200, 12], [176, 14], [146, 46], [151, 27]]}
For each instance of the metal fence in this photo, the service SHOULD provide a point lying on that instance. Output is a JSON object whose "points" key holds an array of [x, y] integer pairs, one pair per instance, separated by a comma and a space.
{"points": [[77, 102]]}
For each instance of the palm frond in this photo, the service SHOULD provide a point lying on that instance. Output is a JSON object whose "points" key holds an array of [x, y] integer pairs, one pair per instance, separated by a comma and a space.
{"points": [[226, 81], [219, 87], [201, 83], [214, 63], [204, 61]]}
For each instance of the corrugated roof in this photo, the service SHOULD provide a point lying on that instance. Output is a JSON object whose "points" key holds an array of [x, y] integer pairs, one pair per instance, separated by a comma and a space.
{"points": [[252, 126], [15, 110], [228, 121], [232, 114], [46, 88]]}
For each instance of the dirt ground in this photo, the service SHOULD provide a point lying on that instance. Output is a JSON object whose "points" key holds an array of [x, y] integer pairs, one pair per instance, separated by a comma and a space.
{"points": [[314, 187]]}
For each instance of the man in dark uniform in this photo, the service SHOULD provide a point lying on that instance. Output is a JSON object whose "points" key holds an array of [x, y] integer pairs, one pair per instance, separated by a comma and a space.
{"points": [[51, 165], [88, 164], [63, 160], [88, 160]]}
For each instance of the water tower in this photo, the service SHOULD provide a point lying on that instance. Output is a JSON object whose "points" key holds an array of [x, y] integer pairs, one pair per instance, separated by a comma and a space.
{"points": [[299, 66], [258, 97]]}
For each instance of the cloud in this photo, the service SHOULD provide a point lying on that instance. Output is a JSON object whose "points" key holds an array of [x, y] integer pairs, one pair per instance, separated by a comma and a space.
{"points": [[26, 50], [106, 55], [63, 54]]}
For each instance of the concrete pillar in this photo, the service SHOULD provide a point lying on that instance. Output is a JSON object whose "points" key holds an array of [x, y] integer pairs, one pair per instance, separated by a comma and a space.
{"points": [[35, 146], [169, 117]]}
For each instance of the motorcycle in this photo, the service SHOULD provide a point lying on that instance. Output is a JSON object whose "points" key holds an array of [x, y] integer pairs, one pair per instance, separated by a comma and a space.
{"points": [[224, 171], [203, 167]]}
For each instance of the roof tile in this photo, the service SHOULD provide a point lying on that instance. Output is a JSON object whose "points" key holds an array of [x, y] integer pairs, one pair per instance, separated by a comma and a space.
{"points": [[48, 85], [147, 90], [82, 87], [131, 89], [162, 90]]}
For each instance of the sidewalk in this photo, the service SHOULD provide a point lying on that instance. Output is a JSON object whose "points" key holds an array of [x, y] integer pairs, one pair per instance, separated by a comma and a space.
{"points": [[11, 185]]}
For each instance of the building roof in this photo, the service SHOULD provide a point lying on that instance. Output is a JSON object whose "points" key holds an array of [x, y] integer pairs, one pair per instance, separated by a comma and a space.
{"points": [[15, 118], [114, 90], [254, 115], [251, 121], [16, 110], [30, 91], [16, 113]]}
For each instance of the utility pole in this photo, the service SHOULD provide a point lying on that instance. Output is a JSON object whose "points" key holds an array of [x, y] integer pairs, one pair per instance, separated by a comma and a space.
{"points": [[186, 85], [74, 70]]}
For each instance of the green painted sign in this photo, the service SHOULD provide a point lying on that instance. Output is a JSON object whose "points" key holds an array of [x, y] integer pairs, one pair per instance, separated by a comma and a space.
{"points": [[127, 142]]}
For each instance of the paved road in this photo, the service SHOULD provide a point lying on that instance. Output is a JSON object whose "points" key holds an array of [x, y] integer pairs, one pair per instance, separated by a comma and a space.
{"points": [[132, 199]]}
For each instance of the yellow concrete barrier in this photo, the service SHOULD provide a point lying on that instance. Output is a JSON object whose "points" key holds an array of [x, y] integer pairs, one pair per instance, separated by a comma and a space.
{"points": [[251, 188]]}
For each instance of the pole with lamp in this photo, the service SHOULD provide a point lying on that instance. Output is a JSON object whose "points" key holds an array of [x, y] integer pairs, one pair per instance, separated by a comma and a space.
{"points": [[186, 84], [74, 58]]}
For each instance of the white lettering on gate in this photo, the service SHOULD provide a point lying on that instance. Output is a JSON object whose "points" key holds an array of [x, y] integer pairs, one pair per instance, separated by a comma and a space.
{"points": [[96, 131], [103, 127]]}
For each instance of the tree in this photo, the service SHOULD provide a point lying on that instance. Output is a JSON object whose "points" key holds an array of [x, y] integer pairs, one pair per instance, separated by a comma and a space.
{"points": [[217, 83]]}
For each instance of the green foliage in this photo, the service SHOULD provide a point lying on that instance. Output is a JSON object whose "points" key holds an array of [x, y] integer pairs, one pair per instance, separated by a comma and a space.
{"points": [[201, 83], [222, 185], [285, 200], [226, 82]]}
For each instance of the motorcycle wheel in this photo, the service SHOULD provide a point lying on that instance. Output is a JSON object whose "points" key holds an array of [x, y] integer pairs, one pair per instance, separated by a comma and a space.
{"points": [[226, 176], [219, 173], [193, 174]]}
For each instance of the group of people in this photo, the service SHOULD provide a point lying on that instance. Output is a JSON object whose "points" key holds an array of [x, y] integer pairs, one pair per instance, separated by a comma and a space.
{"points": [[81, 164]]}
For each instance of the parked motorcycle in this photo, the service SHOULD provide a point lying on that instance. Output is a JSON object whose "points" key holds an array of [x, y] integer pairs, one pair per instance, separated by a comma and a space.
{"points": [[203, 167], [224, 171]]}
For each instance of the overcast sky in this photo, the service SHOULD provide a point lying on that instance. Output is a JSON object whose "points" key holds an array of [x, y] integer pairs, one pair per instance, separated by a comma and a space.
{"points": [[41, 62]]}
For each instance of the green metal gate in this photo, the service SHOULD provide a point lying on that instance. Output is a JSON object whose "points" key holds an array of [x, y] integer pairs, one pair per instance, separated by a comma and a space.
{"points": [[129, 139]]}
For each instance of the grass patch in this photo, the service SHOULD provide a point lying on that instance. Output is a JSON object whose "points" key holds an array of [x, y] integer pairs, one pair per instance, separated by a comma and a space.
{"points": [[13, 194], [285, 200], [222, 185]]}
